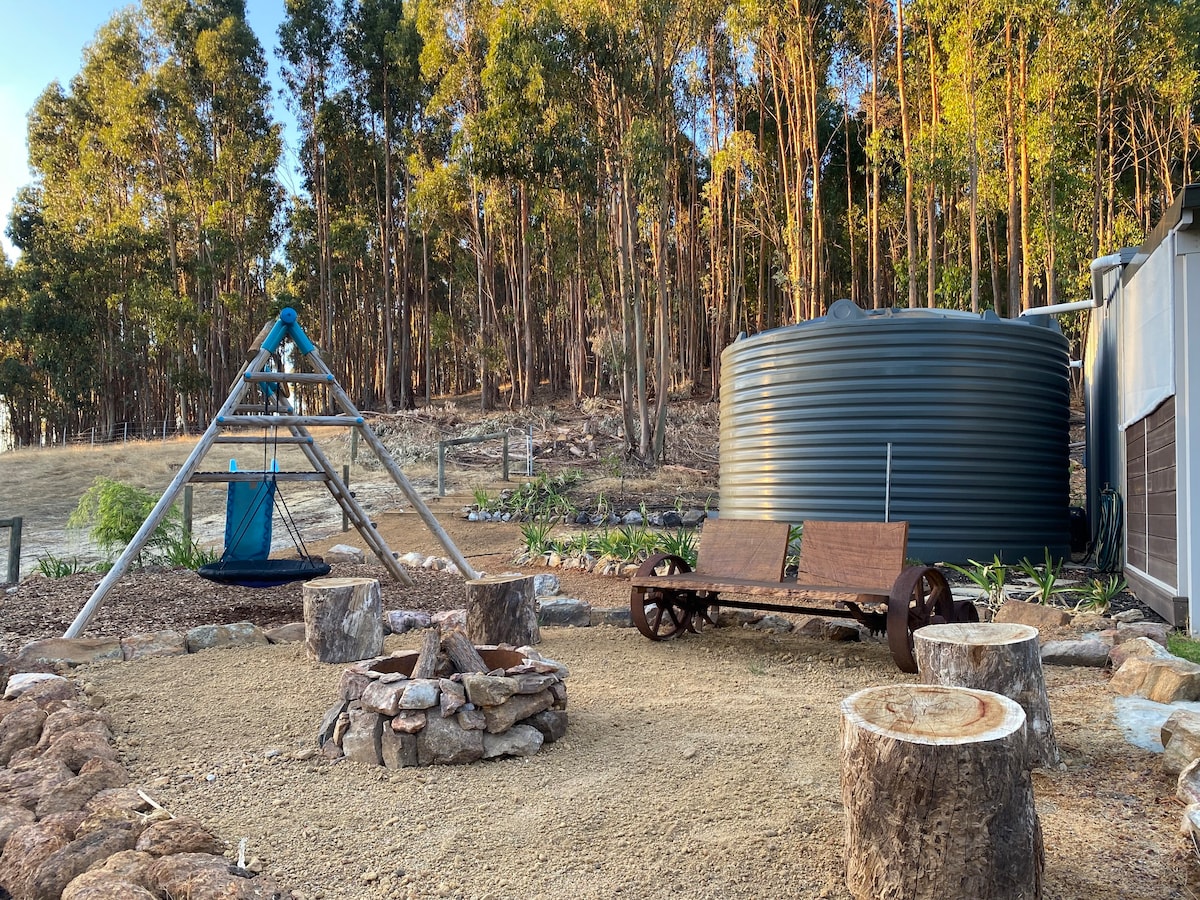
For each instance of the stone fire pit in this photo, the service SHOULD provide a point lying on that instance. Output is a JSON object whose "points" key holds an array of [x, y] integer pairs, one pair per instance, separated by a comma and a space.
{"points": [[386, 717]]}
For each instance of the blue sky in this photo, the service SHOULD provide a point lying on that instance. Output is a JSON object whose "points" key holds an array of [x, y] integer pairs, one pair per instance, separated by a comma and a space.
{"points": [[43, 40]]}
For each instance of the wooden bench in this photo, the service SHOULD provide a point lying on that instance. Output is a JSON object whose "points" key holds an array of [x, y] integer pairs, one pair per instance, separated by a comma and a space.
{"points": [[850, 570]]}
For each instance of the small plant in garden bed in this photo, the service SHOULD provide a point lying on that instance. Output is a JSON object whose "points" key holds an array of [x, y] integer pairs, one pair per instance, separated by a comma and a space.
{"points": [[625, 544], [1045, 577], [989, 577], [1097, 596], [52, 566], [541, 498]]}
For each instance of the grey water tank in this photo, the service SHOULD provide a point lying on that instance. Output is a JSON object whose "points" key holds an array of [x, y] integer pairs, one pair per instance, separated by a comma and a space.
{"points": [[975, 408]]}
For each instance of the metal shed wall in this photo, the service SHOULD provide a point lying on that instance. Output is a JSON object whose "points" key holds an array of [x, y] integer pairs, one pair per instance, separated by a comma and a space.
{"points": [[975, 409]]}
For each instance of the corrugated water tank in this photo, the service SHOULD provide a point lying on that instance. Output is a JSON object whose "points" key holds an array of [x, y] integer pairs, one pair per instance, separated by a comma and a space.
{"points": [[975, 409]]}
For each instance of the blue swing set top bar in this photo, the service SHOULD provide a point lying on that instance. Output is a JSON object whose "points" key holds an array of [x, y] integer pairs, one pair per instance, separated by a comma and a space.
{"points": [[286, 326]]}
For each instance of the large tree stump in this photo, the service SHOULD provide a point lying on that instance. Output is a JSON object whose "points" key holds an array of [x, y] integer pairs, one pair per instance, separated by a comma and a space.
{"points": [[938, 796], [501, 610], [1001, 657], [343, 619]]}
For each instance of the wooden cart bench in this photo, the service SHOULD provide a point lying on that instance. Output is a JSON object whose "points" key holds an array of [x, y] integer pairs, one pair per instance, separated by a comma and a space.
{"points": [[850, 570]]}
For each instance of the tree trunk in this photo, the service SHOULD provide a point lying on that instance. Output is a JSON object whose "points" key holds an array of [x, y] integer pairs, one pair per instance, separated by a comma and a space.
{"points": [[1000, 657], [343, 619], [938, 796], [501, 610]]}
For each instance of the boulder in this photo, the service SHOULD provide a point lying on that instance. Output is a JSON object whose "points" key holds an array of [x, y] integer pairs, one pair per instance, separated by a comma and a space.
{"points": [[1020, 612], [445, 742], [21, 727], [521, 706], [1161, 680], [616, 617], [291, 633], [1188, 786], [21, 683], [361, 743], [178, 835], [51, 877], [520, 740], [62, 654], [210, 637], [154, 643], [552, 723], [1155, 631], [564, 611], [344, 553], [1089, 652], [1138, 646], [402, 621]]}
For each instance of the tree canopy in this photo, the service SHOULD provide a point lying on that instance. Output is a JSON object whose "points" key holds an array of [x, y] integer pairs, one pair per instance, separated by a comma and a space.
{"points": [[590, 197]]}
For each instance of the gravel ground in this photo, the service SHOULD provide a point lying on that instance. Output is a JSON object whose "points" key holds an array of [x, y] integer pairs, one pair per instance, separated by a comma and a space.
{"points": [[701, 768]]}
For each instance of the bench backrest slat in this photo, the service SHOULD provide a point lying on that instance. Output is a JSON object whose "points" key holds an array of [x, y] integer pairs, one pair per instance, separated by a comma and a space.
{"points": [[743, 548], [857, 553]]}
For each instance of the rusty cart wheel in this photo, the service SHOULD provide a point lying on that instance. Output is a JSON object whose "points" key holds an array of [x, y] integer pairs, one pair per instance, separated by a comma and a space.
{"points": [[660, 615], [965, 611], [920, 597]]}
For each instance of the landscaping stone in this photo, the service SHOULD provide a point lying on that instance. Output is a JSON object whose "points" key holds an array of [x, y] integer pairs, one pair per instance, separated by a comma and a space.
{"points": [[211, 637], [1161, 680], [361, 743], [344, 553], [519, 740], [564, 611], [1188, 786], [1020, 612], [402, 621], [1129, 615], [291, 633], [545, 585], [1139, 646], [1090, 652], [445, 742], [154, 643], [616, 617], [1181, 741], [692, 518], [772, 623], [22, 682], [1155, 631], [63, 654], [552, 723]]}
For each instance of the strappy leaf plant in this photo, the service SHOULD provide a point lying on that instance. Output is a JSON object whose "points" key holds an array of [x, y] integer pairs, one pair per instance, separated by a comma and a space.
{"points": [[1045, 577]]}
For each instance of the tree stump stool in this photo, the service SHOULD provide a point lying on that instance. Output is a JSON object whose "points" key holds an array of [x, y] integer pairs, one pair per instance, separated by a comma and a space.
{"points": [[343, 619], [938, 796], [992, 656], [501, 610]]}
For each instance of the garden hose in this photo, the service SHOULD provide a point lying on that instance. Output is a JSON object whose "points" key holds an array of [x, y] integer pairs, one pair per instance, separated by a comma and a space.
{"points": [[1108, 532]]}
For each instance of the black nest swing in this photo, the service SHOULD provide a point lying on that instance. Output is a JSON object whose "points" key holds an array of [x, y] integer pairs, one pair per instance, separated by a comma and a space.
{"points": [[245, 560]]}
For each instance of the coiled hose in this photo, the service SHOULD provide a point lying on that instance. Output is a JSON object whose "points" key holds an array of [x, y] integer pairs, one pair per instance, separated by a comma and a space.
{"points": [[1108, 532]]}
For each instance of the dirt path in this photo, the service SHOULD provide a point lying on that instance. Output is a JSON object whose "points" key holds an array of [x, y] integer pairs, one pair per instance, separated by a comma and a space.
{"points": [[704, 768]]}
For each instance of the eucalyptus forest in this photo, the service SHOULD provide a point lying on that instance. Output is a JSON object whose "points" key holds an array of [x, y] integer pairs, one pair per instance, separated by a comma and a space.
{"points": [[522, 198]]}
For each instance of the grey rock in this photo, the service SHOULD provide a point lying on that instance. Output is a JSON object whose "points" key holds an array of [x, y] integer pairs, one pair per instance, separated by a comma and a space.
{"points": [[239, 634], [344, 553], [1075, 653], [453, 698], [672, 519], [552, 723], [352, 684], [421, 693], [488, 690], [471, 719], [402, 621], [1155, 631], [521, 706], [565, 611], [633, 517], [545, 585], [520, 740], [399, 749], [534, 683], [615, 617], [559, 693], [772, 623], [692, 518], [1129, 615], [445, 742], [737, 618], [291, 633], [154, 643], [361, 742]]}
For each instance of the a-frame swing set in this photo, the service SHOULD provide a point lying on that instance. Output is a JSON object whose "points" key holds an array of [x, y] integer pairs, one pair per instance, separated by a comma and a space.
{"points": [[257, 488]]}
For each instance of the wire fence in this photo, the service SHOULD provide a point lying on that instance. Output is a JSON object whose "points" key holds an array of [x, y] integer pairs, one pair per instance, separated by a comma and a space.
{"points": [[120, 433]]}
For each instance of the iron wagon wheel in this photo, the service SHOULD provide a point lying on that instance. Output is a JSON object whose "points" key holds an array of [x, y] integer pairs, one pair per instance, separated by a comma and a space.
{"points": [[704, 612], [921, 596], [965, 611], [660, 615]]}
